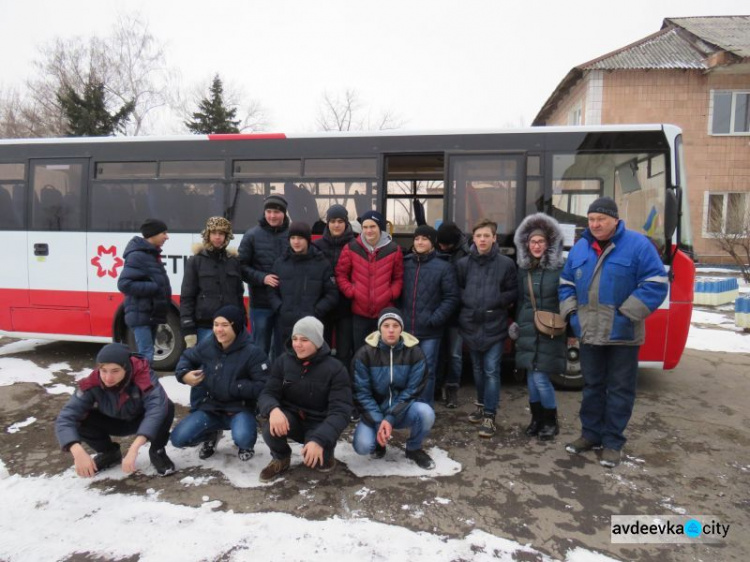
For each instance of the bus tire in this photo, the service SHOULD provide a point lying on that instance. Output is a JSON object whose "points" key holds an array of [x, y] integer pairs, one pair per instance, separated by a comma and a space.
{"points": [[572, 378], [169, 343]]}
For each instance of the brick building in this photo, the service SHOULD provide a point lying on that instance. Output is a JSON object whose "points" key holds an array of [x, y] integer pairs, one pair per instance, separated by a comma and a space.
{"points": [[694, 73]]}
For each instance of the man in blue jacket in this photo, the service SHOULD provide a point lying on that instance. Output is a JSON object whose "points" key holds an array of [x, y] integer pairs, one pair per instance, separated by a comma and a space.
{"points": [[613, 279], [389, 377], [145, 284]]}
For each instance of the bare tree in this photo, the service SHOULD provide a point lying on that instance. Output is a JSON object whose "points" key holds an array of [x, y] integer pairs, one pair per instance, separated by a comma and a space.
{"points": [[130, 63], [347, 112], [731, 229]]}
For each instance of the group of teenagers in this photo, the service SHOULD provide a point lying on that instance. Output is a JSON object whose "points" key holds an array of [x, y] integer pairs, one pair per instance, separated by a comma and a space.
{"points": [[348, 328]]}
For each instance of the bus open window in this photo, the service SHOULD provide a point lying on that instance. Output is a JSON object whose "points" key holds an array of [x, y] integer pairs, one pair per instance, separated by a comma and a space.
{"points": [[408, 201]]}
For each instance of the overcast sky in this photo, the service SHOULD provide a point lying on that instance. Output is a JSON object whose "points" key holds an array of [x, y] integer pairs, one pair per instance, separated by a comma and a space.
{"points": [[437, 64]]}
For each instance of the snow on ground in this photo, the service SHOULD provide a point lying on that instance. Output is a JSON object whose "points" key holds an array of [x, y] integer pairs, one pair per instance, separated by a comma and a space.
{"points": [[22, 345], [55, 517]]}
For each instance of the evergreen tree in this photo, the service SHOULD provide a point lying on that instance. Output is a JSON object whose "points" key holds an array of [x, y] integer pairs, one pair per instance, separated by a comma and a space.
{"points": [[213, 116], [87, 115]]}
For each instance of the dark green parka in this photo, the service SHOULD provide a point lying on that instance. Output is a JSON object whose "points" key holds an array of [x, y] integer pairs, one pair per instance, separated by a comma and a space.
{"points": [[535, 351]]}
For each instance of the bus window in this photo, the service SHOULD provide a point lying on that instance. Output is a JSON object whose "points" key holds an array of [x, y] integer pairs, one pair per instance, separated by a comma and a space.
{"points": [[400, 203], [192, 169], [485, 187], [12, 196], [267, 168], [125, 170], [341, 167], [57, 196]]}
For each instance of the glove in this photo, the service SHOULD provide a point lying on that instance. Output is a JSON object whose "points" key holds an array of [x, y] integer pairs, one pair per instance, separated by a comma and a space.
{"points": [[191, 340], [514, 331]]}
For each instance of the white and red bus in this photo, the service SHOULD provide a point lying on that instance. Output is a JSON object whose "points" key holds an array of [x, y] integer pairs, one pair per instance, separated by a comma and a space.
{"points": [[69, 206]]}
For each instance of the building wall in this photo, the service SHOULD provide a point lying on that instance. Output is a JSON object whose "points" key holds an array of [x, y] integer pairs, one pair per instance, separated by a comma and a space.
{"points": [[714, 163]]}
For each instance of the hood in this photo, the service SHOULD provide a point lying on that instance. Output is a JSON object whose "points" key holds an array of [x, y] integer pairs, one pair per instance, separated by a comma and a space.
{"points": [[138, 244], [552, 257], [407, 340]]}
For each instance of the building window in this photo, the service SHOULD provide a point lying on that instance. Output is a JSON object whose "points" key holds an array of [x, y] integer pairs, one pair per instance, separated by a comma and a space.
{"points": [[730, 112], [575, 115], [726, 213]]}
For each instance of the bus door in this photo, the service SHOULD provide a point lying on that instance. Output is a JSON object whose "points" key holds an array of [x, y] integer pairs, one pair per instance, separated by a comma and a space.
{"points": [[56, 247], [487, 186]]}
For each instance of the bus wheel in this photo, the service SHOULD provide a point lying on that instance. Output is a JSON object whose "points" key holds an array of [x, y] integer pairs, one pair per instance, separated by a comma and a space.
{"points": [[168, 345], [572, 378]]}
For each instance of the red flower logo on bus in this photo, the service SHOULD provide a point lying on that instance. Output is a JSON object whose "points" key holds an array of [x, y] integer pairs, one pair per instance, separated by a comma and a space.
{"points": [[107, 261]]}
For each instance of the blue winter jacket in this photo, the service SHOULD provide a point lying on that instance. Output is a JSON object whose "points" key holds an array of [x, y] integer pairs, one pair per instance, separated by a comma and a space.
{"points": [[139, 396], [430, 294], [608, 297], [234, 377], [145, 284], [259, 249], [388, 379]]}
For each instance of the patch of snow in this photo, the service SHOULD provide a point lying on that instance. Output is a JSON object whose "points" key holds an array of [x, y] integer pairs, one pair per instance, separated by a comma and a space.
{"points": [[16, 427]]}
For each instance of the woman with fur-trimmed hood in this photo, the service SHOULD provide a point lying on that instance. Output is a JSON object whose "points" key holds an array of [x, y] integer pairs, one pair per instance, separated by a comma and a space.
{"points": [[213, 278], [539, 244]]}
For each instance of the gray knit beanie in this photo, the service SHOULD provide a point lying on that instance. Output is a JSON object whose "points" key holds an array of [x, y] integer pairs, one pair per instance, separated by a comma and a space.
{"points": [[311, 328]]}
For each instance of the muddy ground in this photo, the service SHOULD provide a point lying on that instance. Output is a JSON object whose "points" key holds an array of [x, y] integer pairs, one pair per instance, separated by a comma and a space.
{"points": [[688, 453]]}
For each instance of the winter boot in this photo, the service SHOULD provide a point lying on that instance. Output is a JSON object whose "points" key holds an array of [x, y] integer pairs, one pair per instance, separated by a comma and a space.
{"points": [[451, 396], [208, 447], [536, 419], [488, 427], [478, 414], [108, 458], [549, 427]]}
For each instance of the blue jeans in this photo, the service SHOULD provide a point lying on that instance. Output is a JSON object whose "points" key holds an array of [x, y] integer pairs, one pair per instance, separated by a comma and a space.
{"points": [[486, 368], [431, 350], [454, 350], [144, 340], [262, 322], [204, 333], [541, 389], [609, 381], [419, 418], [200, 425]]}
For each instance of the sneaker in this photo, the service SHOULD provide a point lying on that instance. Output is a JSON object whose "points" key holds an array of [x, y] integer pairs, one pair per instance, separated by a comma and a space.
{"points": [[274, 468], [581, 445], [478, 414], [354, 417], [379, 452], [246, 454], [162, 463], [610, 458], [327, 466], [488, 427], [422, 459], [208, 448], [108, 459], [451, 397]]}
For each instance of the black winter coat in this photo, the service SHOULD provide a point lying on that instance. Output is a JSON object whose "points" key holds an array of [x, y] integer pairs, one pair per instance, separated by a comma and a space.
{"points": [[316, 389], [430, 294], [145, 284], [306, 288], [212, 279], [489, 289], [459, 251], [234, 377], [332, 248], [535, 351], [260, 247]]}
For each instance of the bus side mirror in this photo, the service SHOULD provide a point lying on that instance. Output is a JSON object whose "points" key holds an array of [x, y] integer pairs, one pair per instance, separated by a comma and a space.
{"points": [[671, 213]]}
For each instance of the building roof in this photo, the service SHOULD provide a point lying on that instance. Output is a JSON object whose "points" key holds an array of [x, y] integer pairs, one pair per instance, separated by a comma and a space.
{"points": [[680, 44]]}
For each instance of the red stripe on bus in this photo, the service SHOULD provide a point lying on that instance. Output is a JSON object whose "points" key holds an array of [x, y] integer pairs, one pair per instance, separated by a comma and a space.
{"points": [[249, 136]]}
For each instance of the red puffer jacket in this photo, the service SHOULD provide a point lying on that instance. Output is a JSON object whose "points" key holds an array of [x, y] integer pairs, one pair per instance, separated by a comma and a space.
{"points": [[372, 281]]}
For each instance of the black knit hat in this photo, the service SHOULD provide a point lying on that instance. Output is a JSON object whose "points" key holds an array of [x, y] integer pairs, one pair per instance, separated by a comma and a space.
{"points": [[373, 216], [152, 227], [605, 206], [390, 313], [114, 353], [449, 234], [337, 212], [428, 232], [276, 202], [300, 229], [235, 315]]}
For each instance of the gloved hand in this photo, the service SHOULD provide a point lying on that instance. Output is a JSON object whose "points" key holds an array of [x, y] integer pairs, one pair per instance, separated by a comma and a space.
{"points": [[514, 331], [191, 340]]}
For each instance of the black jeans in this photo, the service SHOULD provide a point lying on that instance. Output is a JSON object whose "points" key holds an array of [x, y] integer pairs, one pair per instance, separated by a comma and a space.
{"points": [[338, 334], [299, 429], [361, 328], [96, 430]]}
